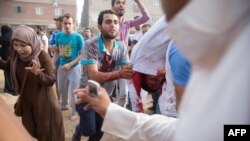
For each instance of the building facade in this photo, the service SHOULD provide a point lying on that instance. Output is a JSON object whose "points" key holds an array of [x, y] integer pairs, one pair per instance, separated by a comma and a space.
{"points": [[42, 12], [34, 12], [153, 6]]}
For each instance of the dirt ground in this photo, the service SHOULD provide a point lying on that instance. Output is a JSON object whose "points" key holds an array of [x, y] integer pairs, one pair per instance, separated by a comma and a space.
{"points": [[69, 125]]}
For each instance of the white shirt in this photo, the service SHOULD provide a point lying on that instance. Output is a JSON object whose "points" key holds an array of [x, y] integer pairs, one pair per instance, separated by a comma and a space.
{"points": [[45, 41], [150, 49], [216, 41], [137, 35], [148, 56]]}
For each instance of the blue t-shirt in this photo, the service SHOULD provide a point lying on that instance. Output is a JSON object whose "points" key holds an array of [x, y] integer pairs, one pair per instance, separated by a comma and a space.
{"points": [[52, 41], [180, 66], [69, 45]]}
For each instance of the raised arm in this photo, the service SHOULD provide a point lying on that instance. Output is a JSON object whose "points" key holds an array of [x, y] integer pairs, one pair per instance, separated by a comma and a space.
{"points": [[10, 123], [142, 19]]}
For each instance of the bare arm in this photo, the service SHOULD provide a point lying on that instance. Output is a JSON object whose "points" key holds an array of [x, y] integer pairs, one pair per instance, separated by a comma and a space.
{"points": [[179, 90], [69, 65], [142, 19], [102, 77], [56, 54], [9, 123], [145, 127]]}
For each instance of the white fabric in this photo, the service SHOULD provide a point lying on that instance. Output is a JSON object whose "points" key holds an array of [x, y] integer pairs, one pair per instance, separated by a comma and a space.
{"points": [[133, 97], [217, 43], [45, 42], [214, 34], [132, 126], [148, 53], [148, 56], [137, 36], [167, 100]]}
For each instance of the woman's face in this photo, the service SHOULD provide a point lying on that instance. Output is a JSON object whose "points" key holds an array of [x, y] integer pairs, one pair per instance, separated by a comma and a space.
{"points": [[23, 49]]}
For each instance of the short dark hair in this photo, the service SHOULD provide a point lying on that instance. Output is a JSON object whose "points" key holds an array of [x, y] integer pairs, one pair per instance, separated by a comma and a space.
{"points": [[67, 16], [146, 87], [87, 28], [100, 17], [113, 2], [39, 27], [60, 18], [135, 17], [146, 25]]}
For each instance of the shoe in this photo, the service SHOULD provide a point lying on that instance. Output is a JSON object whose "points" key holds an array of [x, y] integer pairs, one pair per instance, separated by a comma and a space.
{"points": [[151, 108], [76, 136], [64, 108]]}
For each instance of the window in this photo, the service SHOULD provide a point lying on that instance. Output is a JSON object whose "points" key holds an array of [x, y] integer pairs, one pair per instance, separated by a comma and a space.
{"points": [[157, 2], [58, 11], [17, 9], [39, 11]]}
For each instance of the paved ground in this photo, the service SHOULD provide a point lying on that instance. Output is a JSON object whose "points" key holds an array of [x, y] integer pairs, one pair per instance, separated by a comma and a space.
{"points": [[69, 125]]}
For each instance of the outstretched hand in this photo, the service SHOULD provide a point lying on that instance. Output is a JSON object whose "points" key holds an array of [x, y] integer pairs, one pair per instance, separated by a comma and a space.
{"points": [[35, 67], [99, 103], [126, 72]]}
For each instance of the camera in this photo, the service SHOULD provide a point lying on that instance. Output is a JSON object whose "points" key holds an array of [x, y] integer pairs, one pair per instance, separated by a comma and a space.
{"points": [[94, 88]]}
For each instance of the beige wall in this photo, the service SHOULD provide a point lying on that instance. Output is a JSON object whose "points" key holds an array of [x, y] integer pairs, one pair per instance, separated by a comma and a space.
{"points": [[28, 14], [98, 5]]}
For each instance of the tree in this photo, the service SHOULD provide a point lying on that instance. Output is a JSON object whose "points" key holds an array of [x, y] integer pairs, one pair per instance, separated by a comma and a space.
{"points": [[85, 14]]}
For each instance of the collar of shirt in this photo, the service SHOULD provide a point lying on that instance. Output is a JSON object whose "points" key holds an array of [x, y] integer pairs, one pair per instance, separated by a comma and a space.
{"points": [[101, 45]]}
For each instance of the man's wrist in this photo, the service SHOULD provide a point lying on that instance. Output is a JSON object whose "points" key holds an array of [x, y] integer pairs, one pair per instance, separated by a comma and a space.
{"points": [[119, 74]]}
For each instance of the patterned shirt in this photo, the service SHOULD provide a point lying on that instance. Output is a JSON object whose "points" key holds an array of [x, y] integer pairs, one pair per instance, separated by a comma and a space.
{"points": [[95, 52], [126, 25]]}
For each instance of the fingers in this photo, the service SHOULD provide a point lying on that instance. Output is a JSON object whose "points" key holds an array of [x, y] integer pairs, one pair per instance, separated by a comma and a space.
{"points": [[88, 107], [82, 95], [127, 72], [99, 103], [35, 64], [30, 68]]}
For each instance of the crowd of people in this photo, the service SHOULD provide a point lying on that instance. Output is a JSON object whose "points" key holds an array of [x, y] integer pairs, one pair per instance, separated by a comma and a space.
{"points": [[193, 61]]}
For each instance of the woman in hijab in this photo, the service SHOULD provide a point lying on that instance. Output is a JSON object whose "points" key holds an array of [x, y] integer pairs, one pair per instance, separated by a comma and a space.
{"points": [[32, 74], [6, 33]]}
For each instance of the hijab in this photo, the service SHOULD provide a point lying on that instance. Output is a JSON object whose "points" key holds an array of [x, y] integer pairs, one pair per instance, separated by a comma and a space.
{"points": [[27, 35]]}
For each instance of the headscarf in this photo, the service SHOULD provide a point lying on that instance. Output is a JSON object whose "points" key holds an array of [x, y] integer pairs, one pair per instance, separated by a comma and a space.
{"points": [[27, 35]]}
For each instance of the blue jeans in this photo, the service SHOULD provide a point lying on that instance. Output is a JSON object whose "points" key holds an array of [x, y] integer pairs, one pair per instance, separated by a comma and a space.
{"points": [[90, 123]]}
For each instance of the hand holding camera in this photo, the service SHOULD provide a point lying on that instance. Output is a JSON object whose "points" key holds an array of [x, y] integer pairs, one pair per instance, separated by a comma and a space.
{"points": [[93, 87]]}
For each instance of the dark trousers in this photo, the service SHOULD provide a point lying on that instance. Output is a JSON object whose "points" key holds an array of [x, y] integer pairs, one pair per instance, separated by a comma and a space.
{"points": [[7, 83], [155, 97], [90, 123]]}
